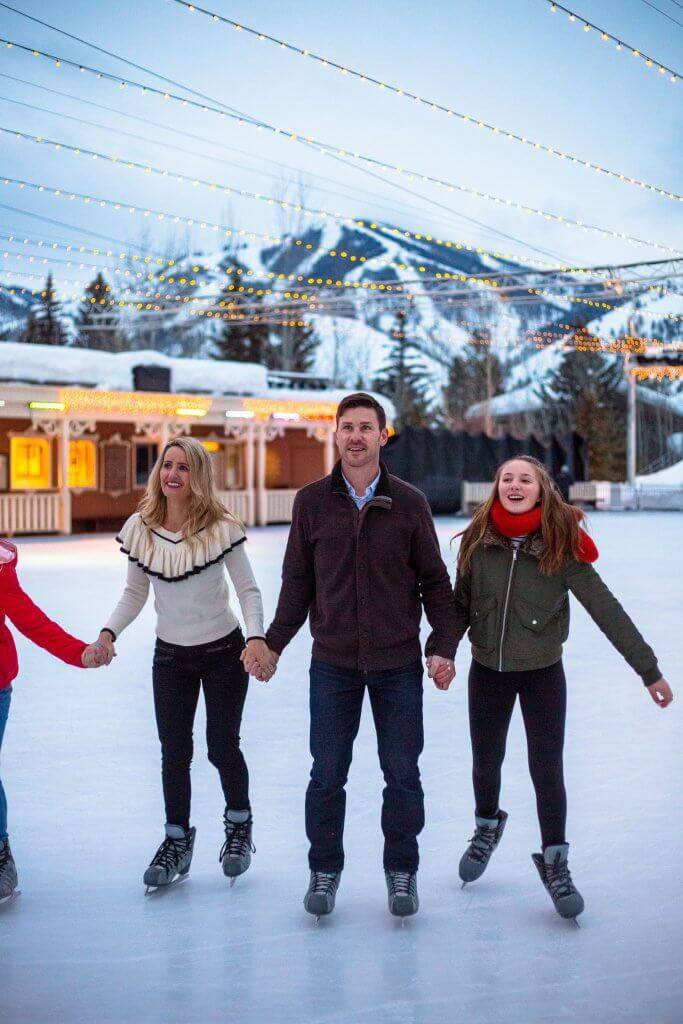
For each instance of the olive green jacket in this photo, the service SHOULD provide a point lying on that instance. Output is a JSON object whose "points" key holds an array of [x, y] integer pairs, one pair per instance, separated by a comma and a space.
{"points": [[518, 618]]}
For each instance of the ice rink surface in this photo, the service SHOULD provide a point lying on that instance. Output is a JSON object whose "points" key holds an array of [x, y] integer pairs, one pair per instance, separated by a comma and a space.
{"points": [[80, 764]]}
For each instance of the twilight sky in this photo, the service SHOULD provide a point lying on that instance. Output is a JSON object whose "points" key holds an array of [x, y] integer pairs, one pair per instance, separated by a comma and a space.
{"points": [[509, 62]]}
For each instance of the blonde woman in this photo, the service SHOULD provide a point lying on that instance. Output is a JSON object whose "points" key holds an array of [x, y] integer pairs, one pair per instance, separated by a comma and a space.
{"points": [[181, 540]]}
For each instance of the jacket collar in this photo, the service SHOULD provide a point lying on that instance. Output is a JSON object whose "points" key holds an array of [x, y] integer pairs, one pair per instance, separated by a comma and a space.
{"points": [[382, 497], [531, 545]]}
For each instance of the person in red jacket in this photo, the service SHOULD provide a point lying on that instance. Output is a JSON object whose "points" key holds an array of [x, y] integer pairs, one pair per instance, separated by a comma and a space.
{"points": [[18, 607]]}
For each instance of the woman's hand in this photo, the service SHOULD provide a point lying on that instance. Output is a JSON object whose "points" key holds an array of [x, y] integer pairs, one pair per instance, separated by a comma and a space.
{"points": [[441, 670], [661, 692], [98, 653], [259, 660]]}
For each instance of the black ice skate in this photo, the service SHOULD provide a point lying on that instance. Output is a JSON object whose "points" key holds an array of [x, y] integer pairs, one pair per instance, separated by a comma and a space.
{"points": [[8, 873], [322, 892], [235, 855], [402, 893], [553, 868], [172, 860], [487, 835]]}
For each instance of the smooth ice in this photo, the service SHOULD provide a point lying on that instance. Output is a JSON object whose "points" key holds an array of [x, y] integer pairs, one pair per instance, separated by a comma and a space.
{"points": [[81, 767]]}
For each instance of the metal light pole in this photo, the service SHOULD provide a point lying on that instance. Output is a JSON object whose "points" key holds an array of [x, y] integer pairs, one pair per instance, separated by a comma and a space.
{"points": [[631, 434]]}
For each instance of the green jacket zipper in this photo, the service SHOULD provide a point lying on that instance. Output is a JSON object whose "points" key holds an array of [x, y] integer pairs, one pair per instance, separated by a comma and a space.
{"points": [[505, 609]]}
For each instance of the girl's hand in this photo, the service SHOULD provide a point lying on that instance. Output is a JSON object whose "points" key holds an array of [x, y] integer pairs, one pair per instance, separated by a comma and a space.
{"points": [[661, 692], [97, 654]]}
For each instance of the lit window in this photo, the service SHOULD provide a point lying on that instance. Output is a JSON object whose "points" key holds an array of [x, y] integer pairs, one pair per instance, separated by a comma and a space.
{"points": [[82, 464], [30, 463], [211, 446]]}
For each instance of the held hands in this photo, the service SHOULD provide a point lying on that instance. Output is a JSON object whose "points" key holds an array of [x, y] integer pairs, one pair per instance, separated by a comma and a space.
{"points": [[441, 670], [259, 660], [101, 652], [661, 692]]}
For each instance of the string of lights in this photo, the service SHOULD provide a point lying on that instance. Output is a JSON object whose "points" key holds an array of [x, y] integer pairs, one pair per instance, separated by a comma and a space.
{"points": [[312, 211], [606, 37], [333, 150], [201, 224]]}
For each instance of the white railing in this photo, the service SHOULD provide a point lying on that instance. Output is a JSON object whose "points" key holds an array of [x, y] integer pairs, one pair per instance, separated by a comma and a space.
{"points": [[597, 492], [29, 513], [279, 506], [238, 503], [473, 495]]}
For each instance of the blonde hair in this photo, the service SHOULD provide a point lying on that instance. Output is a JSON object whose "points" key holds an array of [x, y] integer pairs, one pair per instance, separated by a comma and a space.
{"points": [[206, 508], [559, 521]]}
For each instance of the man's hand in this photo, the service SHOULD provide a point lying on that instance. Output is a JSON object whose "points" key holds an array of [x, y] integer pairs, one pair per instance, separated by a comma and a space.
{"points": [[259, 660], [441, 670], [97, 654], [661, 692]]}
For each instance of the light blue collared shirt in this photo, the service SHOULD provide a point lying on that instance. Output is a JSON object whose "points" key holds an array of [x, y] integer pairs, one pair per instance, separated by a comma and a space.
{"points": [[362, 500]]}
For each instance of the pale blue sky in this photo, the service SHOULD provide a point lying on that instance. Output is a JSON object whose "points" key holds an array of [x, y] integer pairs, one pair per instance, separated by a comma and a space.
{"points": [[508, 61]]}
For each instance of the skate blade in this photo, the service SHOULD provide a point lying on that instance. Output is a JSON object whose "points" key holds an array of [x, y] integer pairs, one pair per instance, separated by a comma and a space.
{"points": [[7, 900], [232, 882], [575, 922], [463, 885], [152, 889]]}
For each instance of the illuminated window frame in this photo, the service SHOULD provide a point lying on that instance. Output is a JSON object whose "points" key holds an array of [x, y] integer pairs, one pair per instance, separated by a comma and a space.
{"points": [[41, 481], [89, 482]]}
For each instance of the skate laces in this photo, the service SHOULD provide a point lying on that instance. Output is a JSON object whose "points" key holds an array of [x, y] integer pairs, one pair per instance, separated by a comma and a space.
{"points": [[559, 878], [237, 838], [324, 883], [482, 842], [170, 852], [401, 882], [5, 856]]}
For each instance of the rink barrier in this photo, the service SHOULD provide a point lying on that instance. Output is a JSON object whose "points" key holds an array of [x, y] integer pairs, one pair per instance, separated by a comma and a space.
{"points": [[591, 492], [29, 513], [279, 505], [472, 494]]}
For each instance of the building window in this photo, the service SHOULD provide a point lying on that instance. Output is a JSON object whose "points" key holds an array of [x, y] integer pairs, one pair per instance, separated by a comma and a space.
{"points": [[82, 464], [233, 467], [30, 463], [145, 457]]}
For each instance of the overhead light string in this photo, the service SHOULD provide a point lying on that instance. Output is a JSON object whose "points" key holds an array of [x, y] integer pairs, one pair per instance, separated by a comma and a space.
{"points": [[607, 37], [326, 148], [181, 177]]}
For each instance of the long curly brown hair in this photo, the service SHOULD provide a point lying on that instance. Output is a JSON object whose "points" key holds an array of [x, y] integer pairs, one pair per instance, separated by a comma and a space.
{"points": [[559, 522]]}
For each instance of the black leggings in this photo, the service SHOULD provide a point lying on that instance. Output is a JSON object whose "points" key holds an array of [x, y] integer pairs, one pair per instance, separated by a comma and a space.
{"points": [[177, 673], [543, 699]]}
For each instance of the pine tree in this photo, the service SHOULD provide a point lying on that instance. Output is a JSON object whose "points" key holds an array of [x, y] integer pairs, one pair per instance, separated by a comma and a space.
{"points": [[473, 376], [242, 342], [404, 378], [96, 322], [295, 347], [30, 332], [583, 391], [47, 327]]}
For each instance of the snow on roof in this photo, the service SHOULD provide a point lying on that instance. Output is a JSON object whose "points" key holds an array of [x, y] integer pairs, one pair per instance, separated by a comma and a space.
{"points": [[113, 371], [672, 476]]}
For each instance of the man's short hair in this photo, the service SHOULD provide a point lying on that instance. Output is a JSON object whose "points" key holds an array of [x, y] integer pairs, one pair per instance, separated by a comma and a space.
{"points": [[359, 400]]}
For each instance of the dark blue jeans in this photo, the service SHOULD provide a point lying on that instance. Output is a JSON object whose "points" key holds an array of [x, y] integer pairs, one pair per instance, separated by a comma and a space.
{"points": [[336, 703]]}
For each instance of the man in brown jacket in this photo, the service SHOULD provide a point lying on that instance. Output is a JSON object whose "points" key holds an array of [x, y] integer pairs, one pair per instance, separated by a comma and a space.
{"points": [[362, 562]]}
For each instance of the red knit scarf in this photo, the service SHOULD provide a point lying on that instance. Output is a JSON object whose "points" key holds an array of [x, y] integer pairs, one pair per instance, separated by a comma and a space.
{"points": [[517, 524]]}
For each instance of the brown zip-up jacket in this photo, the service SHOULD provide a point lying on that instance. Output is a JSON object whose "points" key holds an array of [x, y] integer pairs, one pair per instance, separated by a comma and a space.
{"points": [[363, 577]]}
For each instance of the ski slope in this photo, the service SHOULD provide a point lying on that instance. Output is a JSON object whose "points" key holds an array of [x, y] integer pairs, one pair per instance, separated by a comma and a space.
{"points": [[80, 764]]}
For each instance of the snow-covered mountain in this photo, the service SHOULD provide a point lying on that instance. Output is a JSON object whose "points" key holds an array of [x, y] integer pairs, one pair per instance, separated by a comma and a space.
{"points": [[358, 271]]}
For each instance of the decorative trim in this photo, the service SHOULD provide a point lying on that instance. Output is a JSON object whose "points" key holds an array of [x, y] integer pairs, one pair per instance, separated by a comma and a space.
{"points": [[192, 572]]}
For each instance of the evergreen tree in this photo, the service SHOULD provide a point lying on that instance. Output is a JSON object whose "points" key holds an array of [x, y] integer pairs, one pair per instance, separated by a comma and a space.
{"points": [[96, 321], [295, 347], [242, 342], [30, 331], [583, 392], [47, 327], [404, 378], [473, 376]]}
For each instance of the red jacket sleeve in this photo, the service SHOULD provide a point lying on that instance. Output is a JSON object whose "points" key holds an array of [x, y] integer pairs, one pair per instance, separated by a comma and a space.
{"points": [[34, 623]]}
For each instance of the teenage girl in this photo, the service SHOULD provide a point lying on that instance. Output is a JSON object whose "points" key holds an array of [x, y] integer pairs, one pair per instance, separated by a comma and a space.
{"points": [[521, 555]]}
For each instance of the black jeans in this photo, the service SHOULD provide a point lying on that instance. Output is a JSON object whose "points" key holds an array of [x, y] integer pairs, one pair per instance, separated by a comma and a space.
{"points": [[543, 700], [178, 672], [336, 700]]}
